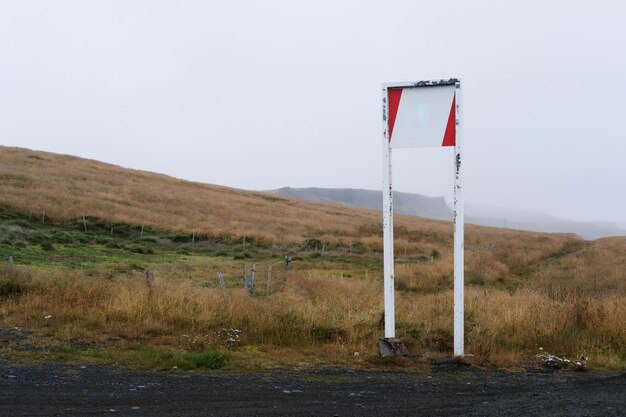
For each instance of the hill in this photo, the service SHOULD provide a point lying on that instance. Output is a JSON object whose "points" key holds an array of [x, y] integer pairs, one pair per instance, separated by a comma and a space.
{"points": [[68, 188], [436, 208], [404, 203]]}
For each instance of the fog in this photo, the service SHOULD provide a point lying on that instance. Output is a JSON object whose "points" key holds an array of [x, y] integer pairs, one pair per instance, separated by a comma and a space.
{"points": [[261, 95]]}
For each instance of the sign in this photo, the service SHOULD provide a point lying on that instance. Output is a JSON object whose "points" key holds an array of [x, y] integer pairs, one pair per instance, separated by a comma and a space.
{"points": [[422, 117], [417, 115]]}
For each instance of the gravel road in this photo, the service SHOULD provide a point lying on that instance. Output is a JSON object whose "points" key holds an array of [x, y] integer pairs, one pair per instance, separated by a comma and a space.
{"points": [[448, 390]]}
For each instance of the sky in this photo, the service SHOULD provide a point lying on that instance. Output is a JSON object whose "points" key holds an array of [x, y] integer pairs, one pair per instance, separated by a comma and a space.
{"points": [[265, 94]]}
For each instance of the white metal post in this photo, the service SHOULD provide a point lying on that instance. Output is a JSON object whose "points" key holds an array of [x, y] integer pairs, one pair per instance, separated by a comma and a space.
{"points": [[459, 219], [390, 320]]}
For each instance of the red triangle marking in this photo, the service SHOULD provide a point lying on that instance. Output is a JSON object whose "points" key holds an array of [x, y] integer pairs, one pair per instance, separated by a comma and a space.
{"points": [[394, 95], [449, 138]]}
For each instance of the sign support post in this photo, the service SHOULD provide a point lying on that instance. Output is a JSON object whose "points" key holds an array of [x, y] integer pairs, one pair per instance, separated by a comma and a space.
{"points": [[389, 286], [422, 114], [459, 235]]}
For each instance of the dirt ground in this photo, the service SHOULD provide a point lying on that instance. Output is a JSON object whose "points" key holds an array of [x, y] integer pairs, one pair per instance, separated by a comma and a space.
{"points": [[449, 389]]}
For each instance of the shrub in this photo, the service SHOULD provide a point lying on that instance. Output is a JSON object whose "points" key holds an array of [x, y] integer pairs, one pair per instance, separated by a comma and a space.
{"points": [[11, 289], [310, 244], [47, 246], [439, 340], [208, 359], [142, 250], [179, 238], [328, 333]]}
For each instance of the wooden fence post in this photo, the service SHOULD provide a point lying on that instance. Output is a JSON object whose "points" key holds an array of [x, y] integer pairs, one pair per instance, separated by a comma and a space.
{"points": [[248, 282], [150, 281], [220, 278], [288, 260]]}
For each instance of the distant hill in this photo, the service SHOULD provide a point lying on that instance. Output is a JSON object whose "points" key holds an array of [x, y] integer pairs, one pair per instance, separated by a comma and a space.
{"points": [[436, 208], [404, 203], [586, 230], [539, 222]]}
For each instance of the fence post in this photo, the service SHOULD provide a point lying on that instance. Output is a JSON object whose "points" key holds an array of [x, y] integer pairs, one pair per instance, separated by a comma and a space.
{"points": [[85, 223], [269, 276], [288, 260], [220, 278], [150, 281], [287, 263], [252, 272], [10, 264], [248, 282]]}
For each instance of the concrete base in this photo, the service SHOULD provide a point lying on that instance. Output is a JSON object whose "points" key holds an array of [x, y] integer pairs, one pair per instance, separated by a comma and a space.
{"points": [[391, 346]]}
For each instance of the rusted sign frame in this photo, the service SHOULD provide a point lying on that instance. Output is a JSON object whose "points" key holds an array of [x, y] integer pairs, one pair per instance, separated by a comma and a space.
{"points": [[459, 215]]}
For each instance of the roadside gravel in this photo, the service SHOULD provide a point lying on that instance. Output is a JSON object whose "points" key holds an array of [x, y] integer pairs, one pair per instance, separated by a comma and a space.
{"points": [[447, 390]]}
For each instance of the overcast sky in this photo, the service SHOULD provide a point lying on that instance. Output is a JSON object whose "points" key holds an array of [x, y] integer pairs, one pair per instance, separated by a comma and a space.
{"points": [[265, 94]]}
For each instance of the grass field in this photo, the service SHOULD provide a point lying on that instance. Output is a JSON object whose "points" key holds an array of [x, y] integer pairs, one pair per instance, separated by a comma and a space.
{"points": [[77, 288]]}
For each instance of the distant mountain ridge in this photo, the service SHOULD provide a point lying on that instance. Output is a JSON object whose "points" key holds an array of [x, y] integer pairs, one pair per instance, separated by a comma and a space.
{"points": [[437, 208], [404, 203]]}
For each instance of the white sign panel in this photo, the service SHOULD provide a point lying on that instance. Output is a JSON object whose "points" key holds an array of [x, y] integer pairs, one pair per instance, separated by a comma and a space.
{"points": [[421, 117]]}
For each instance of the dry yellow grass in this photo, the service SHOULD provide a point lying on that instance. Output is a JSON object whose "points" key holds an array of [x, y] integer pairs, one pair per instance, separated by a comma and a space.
{"points": [[525, 290], [314, 311], [598, 270]]}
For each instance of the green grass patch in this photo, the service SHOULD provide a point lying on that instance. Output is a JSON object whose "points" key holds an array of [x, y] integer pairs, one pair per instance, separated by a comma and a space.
{"points": [[161, 360], [68, 245], [140, 358]]}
